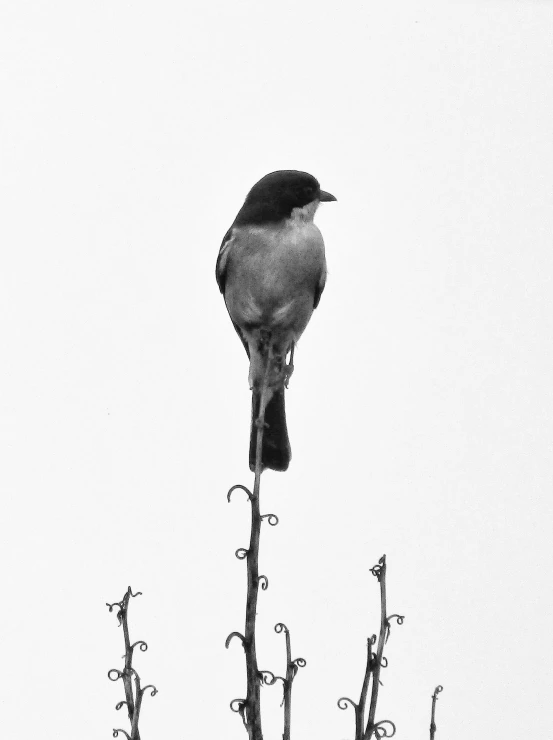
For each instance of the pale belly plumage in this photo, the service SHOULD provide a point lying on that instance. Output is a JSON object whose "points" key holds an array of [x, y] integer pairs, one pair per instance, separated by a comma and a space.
{"points": [[273, 275]]}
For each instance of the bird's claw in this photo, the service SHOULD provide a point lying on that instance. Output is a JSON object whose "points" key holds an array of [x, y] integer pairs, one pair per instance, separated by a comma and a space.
{"points": [[288, 370]]}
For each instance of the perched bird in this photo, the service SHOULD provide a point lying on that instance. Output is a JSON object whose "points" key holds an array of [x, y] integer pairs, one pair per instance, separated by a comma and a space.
{"points": [[271, 270]]}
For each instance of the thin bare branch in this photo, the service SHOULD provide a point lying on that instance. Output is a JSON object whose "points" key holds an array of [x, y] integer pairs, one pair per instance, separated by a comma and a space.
{"points": [[133, 693], [437, 690], [250, 708], [375, 662], [380, 572], [292, 667]]}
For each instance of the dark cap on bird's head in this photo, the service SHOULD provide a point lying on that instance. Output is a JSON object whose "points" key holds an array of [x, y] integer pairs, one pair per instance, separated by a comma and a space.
{"points": [[275, 196]]}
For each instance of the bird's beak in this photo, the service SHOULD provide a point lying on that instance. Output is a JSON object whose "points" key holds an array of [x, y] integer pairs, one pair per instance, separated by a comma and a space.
{"points": [[324, 197]]}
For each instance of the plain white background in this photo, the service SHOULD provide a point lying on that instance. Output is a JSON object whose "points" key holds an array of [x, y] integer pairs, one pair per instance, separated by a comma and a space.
{"points": [[420, 412]]}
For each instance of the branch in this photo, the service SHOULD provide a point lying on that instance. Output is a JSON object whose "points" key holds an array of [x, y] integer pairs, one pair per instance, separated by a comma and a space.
{"points": [[437, 690], [292, 667], [133, 694], [375, 662], [250, 707]]}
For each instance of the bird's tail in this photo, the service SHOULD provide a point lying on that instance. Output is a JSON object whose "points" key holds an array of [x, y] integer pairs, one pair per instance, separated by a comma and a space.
{"points": [[276, 452]]}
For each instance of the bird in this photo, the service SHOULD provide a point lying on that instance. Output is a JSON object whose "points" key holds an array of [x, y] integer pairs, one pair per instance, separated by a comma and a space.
{"points": [[271, 270]]}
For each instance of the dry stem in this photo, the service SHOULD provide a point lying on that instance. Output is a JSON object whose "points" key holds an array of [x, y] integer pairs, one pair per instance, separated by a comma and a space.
{"points": [[433, 714], [375, 661], [131, 680]]}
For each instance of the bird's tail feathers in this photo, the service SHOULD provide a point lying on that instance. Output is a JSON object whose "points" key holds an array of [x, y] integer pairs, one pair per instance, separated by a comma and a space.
{"points": [[276, 452]]}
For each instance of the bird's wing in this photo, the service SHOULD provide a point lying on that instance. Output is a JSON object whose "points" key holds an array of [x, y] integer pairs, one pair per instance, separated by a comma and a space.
{"points": [[221, 276], [222, 259], [319, 288]]}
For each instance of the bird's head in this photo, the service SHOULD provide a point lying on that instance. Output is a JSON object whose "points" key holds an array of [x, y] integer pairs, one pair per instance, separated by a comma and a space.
{"points": [[277, 194]]}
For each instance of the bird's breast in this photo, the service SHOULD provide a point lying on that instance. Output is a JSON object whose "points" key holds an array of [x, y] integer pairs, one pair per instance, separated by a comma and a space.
{"points": [[281, 258], [274, 271]]}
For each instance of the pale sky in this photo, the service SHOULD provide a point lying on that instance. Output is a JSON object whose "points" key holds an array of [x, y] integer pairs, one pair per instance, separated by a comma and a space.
{"points": [[420, 412]]}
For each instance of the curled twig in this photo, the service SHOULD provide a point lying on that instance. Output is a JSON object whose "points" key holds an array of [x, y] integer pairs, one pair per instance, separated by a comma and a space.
{"points": [[264, 582], [271, 518], [143, 645], [241, 553], [381, 728], [343, 702], [295, 665], [399, 619], [268, 678], [120, 612], [235, 634], [240, 487], [380, 568], [239, 706], [126, 734]]}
